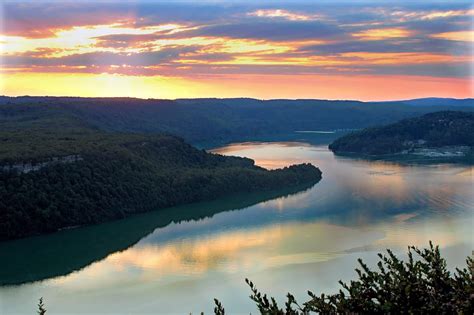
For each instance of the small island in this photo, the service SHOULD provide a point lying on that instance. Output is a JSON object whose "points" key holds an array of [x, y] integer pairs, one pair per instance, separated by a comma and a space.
{"points": [[445, 135]]}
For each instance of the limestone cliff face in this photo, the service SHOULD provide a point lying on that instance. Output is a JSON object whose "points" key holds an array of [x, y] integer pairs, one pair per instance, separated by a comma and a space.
{"points": [[26, 167]]}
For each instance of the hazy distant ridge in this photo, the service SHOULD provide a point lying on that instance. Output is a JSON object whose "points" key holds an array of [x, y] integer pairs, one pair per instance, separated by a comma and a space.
{"points": [[200, 120]]}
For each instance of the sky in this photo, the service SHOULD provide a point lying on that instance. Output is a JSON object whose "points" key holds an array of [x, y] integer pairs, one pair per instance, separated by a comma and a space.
{"points": [[365, 50]]}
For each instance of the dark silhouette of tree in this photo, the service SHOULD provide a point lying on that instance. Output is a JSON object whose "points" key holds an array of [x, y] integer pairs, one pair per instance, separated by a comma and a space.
{"points": [[421, 285], [41, 308], [218, 309]]}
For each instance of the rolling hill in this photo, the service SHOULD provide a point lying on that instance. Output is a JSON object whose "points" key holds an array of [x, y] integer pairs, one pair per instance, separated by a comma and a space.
{"points": [[222, 120], [445, 134], [57, 171]]}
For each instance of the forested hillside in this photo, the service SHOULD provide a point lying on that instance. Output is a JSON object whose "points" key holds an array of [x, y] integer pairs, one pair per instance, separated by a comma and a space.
{"points": [[57, 171], [449, 129], [74, 161], [201, 120]]}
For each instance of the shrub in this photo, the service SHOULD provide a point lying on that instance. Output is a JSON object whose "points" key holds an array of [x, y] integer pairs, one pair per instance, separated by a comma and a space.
{"points": [[417, 286]]}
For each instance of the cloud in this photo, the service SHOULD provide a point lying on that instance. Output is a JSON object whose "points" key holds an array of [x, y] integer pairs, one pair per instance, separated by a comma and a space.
{"points": [[401, 13], [142, 59], [383, 33], [463, 36], [403, 58], [415, 44], [283, 30], [42, 20], [442, 70], [431, 15], [201, 39], [129, 40], [284, 14]]}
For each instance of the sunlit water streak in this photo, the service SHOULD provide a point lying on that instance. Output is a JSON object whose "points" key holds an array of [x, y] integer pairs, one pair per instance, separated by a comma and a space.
{"points": [[308, 240]]}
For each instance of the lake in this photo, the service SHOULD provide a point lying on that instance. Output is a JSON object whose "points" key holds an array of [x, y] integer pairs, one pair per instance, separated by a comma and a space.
{"points": [[177, 260]]}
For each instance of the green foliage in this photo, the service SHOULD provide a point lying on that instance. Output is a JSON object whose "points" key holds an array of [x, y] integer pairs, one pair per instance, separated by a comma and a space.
{"points": [[71, 174], [437, 129], [268, 305], [217, 120], [417, 286]]}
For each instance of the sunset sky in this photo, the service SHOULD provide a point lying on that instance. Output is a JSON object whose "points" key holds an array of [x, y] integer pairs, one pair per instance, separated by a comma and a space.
{"points": [[366, 50]]}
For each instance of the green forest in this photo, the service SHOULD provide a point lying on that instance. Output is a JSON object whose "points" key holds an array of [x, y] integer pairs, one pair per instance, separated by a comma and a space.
{"points": [[57, 171], [433, 130], [224, 120]]}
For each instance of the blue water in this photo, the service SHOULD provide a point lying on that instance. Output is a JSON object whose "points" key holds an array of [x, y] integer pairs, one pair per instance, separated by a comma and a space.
{"points": [[163, 263]]}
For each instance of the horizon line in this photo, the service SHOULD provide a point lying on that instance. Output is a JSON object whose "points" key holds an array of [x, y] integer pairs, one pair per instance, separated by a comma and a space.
{"points": [[241, 97]]}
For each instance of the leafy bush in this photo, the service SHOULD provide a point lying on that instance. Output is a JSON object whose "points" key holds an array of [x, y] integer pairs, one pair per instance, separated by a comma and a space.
{"points": [[417, 286]]}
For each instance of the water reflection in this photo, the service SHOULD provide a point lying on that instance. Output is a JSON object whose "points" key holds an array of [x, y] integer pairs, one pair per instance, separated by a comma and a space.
{"points": [[307, 240], [70, 250], [271, 155], [364, 187]]}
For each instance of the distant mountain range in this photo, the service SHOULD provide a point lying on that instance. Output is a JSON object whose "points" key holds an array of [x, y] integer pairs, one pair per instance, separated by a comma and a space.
{"points": [[436, 101], [221, 120]]}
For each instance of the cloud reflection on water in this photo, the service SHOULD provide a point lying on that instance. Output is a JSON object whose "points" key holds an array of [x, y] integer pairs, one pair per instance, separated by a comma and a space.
{"points": [[305, 241]]}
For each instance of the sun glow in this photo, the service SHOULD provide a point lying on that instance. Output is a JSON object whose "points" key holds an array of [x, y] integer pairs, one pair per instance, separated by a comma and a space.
{"points": [[232, 85], [81, 39], [89, 85], [131, 54]]}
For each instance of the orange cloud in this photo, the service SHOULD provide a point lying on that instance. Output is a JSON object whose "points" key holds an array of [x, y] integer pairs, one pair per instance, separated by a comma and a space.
{"points": [[383, 33], [344, 59], [464, 36], [404, 58], [81, 39], [187, 55]]}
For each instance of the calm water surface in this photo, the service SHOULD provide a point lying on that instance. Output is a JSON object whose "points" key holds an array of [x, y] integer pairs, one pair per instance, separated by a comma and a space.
{"points": [[178, 260]]}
